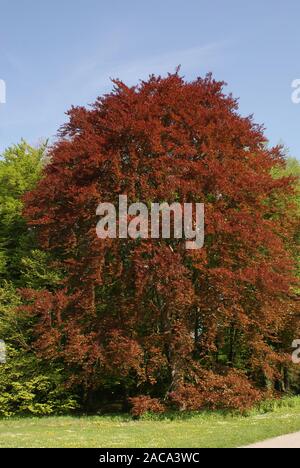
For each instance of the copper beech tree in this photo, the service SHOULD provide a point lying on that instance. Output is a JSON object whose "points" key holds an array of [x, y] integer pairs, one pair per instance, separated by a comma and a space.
{"points": [[148, 320]]}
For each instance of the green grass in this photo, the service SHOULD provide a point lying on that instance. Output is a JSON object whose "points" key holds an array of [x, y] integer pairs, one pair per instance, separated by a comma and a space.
{"points": [[180, 431]]}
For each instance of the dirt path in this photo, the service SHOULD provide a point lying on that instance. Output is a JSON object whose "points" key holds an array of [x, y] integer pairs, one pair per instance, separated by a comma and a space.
{"points": [[288, 441]]}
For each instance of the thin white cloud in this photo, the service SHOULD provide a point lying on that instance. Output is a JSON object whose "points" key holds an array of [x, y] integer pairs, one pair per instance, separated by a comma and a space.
{"points": [[198, 59], [91, 77]]}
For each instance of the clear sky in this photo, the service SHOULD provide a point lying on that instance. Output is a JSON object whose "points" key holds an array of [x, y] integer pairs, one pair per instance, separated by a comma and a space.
{"points": [[58, 53]]}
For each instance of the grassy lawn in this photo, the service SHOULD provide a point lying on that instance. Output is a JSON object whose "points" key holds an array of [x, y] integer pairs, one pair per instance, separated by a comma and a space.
{"points": [[199, 430]]}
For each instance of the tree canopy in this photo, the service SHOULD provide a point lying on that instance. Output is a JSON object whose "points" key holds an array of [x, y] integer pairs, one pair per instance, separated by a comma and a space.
{"points": [[148, 319]]}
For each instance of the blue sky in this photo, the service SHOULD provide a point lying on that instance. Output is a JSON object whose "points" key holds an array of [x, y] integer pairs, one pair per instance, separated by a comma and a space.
{"points": [[58, 53]]}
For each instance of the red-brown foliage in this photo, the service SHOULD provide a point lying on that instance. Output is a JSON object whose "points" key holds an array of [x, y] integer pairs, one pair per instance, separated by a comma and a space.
{"points": [[150, 314], [145, 404], [187, 397], [231, 391]]}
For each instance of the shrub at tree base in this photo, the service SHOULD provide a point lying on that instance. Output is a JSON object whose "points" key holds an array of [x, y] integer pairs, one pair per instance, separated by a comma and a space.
{"points": [[145, 404], [232, 391]]}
